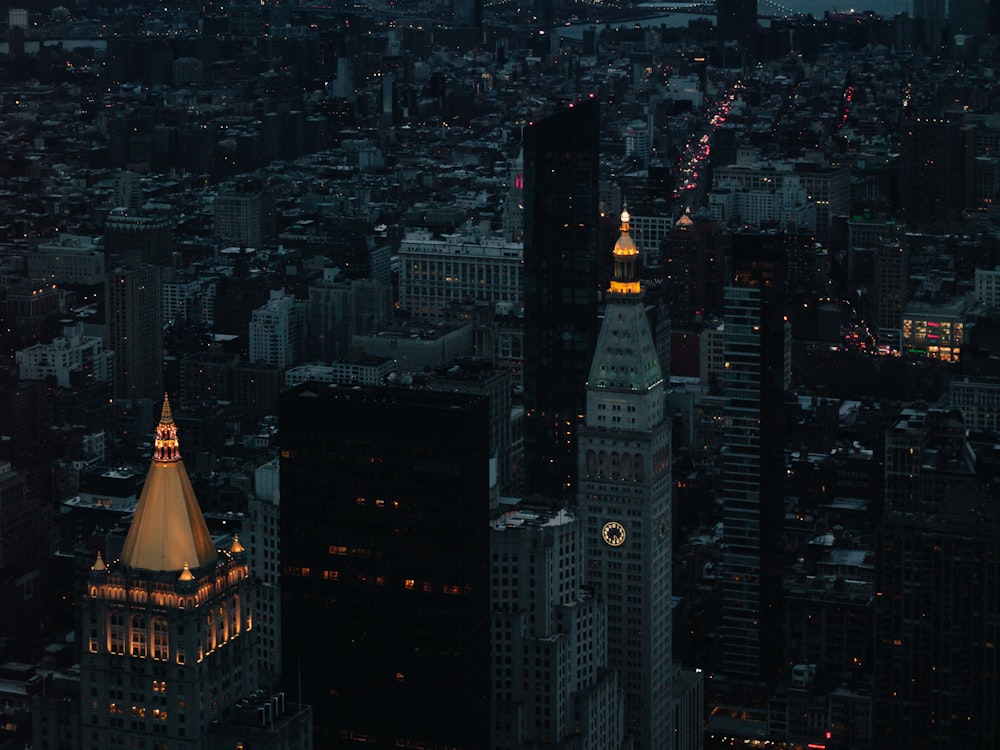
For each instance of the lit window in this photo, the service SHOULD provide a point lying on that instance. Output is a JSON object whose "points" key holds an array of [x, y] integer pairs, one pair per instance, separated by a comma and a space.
{"points": [[161, 639], [139, 637]]}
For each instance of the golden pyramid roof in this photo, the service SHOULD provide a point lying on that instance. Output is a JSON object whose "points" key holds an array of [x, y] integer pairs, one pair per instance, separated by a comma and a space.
{"points": [[168, 529]]}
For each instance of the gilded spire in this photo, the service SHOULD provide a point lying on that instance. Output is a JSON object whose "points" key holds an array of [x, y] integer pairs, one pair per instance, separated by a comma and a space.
{"points": [[165, 446], [99, 563], [626, 253], [236, 547], [168, 529]]}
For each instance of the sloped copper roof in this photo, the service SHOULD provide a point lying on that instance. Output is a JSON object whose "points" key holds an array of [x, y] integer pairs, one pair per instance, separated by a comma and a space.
{"points": [[168, 529]]}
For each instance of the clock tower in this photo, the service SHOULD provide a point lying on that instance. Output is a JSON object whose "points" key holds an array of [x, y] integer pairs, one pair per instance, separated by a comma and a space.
{"points": [[625, 503]]}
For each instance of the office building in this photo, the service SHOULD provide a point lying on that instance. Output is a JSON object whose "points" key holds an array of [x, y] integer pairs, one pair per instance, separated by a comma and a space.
{"points": [[736, 24], [365, 370], [17, 18], [930, 17], [26, 547], [135, 333], [480, 376], [935, 329], [865, 236], [437, 273], [825, 188], [936, 170], [987, 286], [168, 652], [693, 263], [68, 259], [551, 684], [384, 552], [753, 457], [625, 503], [561, 288], [936, 610], [978, 399], [342, 309]]}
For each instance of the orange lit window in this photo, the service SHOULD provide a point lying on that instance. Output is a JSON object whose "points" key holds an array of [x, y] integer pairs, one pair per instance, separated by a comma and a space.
{"points": [[409, 583]]}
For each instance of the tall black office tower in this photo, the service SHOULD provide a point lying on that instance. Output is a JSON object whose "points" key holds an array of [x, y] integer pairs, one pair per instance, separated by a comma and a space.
{"points": [[736, 24], [561, 287], [756, 368], [384, 539]]}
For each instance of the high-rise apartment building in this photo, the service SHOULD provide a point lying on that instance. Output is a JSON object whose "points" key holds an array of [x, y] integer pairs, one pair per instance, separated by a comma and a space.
{"points": [[244, 215], [753, 457], [551, 684], [865, 236], [70, 359], [134, 239], [278, 331], [384, 552], [825, 187], [167, 654], [127, 189], [263, 508], [625, 503], [561, 286], [890, 291], [135, 333]]}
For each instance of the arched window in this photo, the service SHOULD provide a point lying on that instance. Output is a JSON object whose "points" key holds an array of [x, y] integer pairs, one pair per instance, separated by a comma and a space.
{"points": [[140, 636], [638, 466], [209, 633], [626, 466], [116, 633], [161, 639], [222, 623], [236, 615], [591, 463]]}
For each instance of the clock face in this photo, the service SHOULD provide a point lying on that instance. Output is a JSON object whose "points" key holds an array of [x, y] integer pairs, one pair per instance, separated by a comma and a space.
{"points": [[613, 533]]}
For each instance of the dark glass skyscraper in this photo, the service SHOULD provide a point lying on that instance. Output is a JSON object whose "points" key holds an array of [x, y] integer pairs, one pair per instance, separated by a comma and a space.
{"points": [[753, 456], [384, 539], [736, 21], [561, 286], [937, 614]]}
